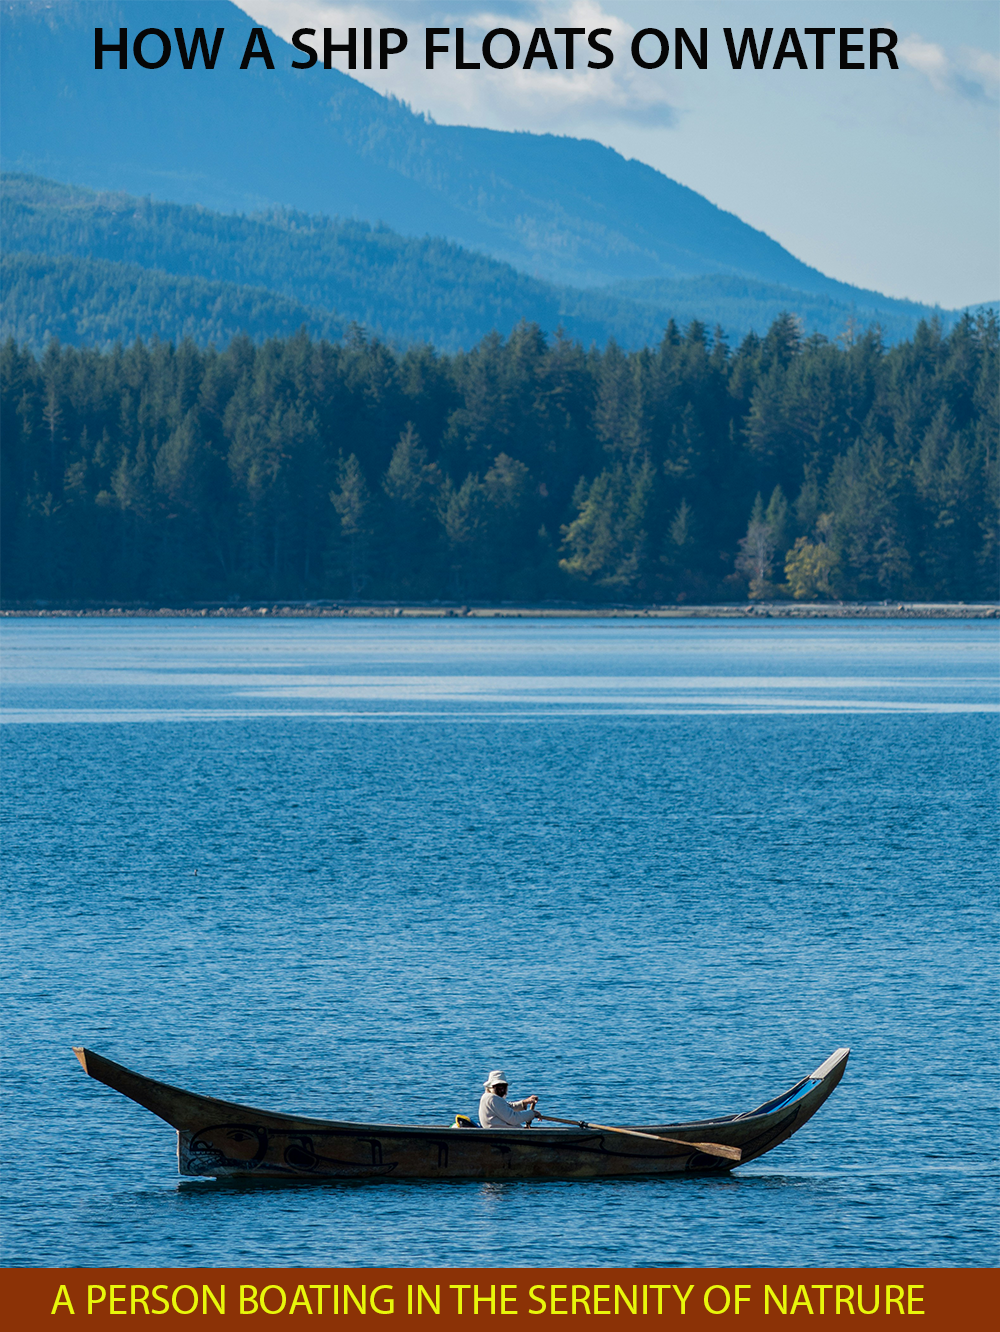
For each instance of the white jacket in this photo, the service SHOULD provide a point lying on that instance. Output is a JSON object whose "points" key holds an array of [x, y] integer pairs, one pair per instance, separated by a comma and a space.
{"points": [[495, 1112]]}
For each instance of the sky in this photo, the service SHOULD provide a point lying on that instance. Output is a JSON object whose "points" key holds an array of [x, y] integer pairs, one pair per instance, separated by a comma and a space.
{"points": [[888, 180]]}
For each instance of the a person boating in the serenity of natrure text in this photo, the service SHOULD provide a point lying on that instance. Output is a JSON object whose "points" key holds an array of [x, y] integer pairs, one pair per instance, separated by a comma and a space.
{"points": [[495, 1111]]}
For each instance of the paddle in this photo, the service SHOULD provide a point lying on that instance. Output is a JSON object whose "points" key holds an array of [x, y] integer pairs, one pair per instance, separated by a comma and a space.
{"points": [[709, 1148]]}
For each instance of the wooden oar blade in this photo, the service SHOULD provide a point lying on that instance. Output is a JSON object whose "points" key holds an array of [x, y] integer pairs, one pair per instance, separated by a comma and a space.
{"points": [[717, 1149], [709, 1148]]}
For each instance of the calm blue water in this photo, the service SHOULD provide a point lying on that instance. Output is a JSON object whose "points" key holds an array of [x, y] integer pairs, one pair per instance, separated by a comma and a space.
{"points": [[654, 870]]}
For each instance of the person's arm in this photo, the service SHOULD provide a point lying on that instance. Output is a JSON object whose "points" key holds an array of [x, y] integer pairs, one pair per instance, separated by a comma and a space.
{"points": [[516, 1117], [508, 1115]]}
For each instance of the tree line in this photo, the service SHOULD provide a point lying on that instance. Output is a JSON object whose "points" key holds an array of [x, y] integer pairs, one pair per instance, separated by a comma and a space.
{"points": [[526, 468], [93, 302]]}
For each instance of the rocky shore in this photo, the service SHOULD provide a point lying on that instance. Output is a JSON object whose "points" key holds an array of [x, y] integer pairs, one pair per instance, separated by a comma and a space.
{"points": [[911, 610]]}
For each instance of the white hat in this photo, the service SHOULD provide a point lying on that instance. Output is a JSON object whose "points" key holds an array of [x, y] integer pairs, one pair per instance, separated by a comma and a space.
{"points": [[498, 1075]]}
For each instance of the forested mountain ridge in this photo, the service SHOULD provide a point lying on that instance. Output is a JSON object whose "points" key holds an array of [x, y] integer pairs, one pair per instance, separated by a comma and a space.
{"points": [[567, 210], [326, 273], [404, 289], [523, 468], [94, 303]]}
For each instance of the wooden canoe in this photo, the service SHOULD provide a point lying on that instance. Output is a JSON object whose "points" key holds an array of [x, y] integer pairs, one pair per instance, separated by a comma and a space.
{"points": [[226, 1140]]}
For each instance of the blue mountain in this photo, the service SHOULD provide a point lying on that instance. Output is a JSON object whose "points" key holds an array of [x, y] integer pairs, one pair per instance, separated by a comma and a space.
{"points": [[569, 211]]}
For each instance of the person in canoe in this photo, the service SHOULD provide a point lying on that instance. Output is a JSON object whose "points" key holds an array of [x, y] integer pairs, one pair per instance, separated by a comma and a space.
{"points": [[495, 1111]]}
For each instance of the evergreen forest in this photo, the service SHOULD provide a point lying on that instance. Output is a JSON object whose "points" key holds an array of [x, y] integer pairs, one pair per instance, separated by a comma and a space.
{"points": [[525, 468]]}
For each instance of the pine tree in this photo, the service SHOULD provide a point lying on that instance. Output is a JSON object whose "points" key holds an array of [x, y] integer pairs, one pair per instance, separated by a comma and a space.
{"points": [[462, 512], [756, 556], [411, 486], [608, 541], [865, 499], [353, 503]]}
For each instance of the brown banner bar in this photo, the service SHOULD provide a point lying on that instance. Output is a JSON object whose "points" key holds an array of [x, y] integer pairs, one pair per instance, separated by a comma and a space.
{"points": [[452, 1298]]}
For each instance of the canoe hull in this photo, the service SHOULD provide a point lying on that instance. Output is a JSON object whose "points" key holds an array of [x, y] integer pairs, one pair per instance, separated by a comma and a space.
{"points": [[240, 1150], [225, 1140]]}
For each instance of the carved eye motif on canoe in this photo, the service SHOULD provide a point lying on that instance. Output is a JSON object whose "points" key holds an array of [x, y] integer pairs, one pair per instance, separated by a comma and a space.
{"points": [[235, 1142]]}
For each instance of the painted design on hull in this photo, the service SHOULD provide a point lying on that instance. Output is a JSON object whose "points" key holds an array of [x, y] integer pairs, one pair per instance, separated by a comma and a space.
{"points": [[245, 1149], [251, 1149]]}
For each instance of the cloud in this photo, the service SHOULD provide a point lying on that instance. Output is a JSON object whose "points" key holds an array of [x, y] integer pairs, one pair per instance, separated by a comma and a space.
{"points": [[973, 74], [538, 99], [928, 58], [985, 67]]}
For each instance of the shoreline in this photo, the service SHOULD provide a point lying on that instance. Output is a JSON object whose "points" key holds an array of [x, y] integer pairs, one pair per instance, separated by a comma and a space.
{"points": [[913, 610]]}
